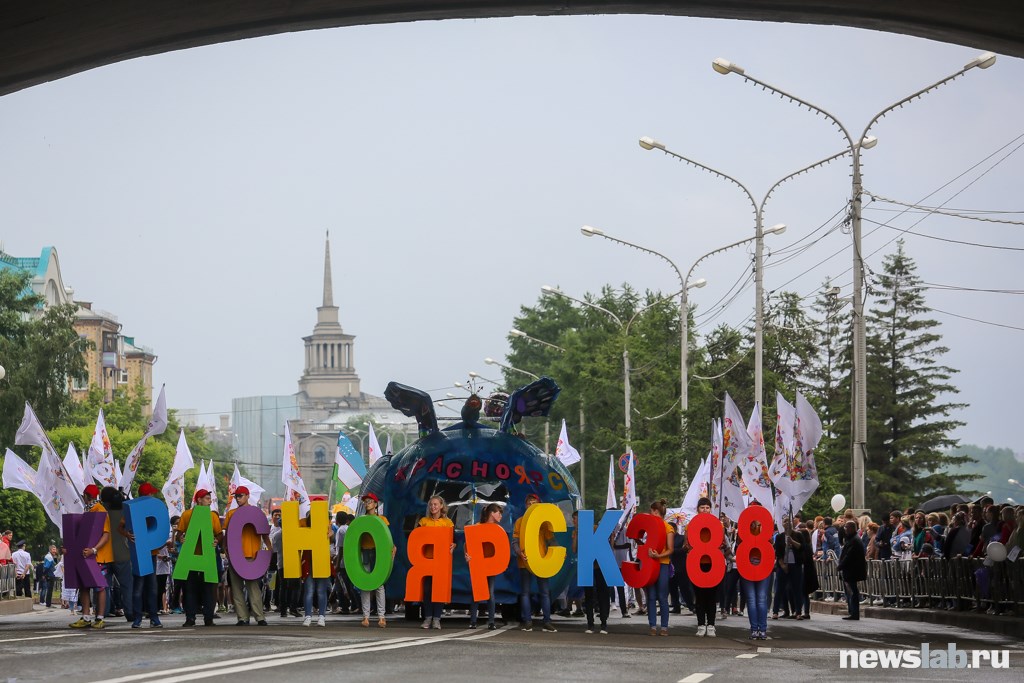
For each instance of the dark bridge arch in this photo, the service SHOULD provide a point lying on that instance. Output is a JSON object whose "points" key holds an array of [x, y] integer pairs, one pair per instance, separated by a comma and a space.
{"points": [[42, 40]]}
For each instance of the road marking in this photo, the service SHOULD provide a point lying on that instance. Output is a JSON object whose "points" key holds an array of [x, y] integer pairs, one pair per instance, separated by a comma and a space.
{"points": [[488, 634], [865, 640], [695, 678], [198, 671], [749, 655], [62, 635], [764, 650]]}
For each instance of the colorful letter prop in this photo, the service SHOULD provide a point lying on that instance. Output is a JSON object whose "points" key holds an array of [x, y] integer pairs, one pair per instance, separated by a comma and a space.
{"points": [[537, 517], [705, 535], [253, 569], [315, 537], [644, 573], [592, 546], [430, 555], [361, 577], [146, 518], [489, 553], [750, 541], [199, 535], [82, 530]]}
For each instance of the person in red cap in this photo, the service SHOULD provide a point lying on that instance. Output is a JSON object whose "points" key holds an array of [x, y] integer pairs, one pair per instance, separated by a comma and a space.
{"points": [[371, 504], [101, 553], [252, 543], [196, 587], [144, 596]]}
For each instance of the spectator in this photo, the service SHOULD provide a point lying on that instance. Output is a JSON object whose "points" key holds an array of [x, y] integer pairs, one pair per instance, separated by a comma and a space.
{"points": [[883, 539], [853, 568], [1006, 525], [958, 537], [49, 579], [871, 549], [5, 548], [789, 552], [526, 576], [22, 571]]}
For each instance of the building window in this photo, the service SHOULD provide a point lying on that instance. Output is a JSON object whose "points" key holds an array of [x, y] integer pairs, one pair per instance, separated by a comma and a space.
{"points": [[123, 377], [80, 384], [320, 456]]}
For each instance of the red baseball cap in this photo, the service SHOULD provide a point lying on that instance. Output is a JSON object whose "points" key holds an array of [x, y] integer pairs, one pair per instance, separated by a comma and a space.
{"points": [[92, 490], [371, 496], [200, 493], [147, 489], [241, 490]]}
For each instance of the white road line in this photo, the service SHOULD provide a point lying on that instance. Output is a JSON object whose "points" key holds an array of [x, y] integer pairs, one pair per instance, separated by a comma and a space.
{"points": [[695, 678], [61, 635], [488, 634], [764, 650], [749, 655], [865, 640]]}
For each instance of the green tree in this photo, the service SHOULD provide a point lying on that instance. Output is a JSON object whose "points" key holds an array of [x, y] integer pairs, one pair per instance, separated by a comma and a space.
{"points": [[909, 423]]}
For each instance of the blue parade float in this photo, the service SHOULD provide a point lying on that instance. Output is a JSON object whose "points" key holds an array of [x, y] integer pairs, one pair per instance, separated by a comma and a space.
{"points": [[472, 464]]}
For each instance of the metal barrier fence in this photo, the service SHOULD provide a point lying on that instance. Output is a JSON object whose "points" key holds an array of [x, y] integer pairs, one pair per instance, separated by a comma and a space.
{"points": [[7, 584], [956, 583]]}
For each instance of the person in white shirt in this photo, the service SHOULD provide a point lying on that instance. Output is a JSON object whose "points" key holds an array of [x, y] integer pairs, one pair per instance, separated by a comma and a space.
{"points": [[22, 571]]}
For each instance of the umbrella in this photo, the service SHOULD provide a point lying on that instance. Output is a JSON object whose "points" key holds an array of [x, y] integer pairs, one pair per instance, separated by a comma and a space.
{"points": [[945, 502]]}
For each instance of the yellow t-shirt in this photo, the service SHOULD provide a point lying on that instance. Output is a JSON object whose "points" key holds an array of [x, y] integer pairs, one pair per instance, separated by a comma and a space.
{"points": [[186, 517], [366, 541], [441, 521], [251, 542], [669, 529], [545, 539], [105, 553]]}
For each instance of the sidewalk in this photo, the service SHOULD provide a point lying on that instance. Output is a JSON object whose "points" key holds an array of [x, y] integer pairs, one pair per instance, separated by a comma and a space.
{"points": [[1008, 625]]}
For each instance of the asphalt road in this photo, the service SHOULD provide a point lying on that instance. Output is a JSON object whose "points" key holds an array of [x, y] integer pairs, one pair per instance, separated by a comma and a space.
{"points": [[40, 647]]}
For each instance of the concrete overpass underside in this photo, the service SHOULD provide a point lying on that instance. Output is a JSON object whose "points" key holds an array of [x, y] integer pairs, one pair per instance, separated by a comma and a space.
{"points": [[42, 40]]}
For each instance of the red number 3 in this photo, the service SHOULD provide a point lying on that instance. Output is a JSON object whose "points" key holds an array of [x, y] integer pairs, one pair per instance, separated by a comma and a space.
{"points": [[705, 535], [755, 514]]}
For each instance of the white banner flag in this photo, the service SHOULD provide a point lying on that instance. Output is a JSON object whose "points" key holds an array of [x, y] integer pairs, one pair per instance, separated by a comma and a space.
{"points": [[255, 490], [698, 486], [629, 488], [74, 468], [56, 491], [18, 474], [611, 502], [157, 425], [30, 433], [375, 453], [755, 468], [564, 451], [779, 471], [716, 471], [291, 477], [101, 456], [174, 489], [806, 435]]}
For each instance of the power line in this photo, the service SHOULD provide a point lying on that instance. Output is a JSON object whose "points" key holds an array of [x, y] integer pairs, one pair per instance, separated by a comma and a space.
{"points": [[976, 320], [908, 231]]}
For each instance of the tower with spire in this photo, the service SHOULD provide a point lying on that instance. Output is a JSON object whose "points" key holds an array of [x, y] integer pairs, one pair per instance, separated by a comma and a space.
{"points": [[329, 381]]}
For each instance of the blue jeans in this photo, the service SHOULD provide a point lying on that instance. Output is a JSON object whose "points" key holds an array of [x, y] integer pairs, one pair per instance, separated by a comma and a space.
{"points": [[757, 602], [321, 586], [525, 608], [658, 591], [144, 598], [431, 610], [490, 604], [122, 573]]}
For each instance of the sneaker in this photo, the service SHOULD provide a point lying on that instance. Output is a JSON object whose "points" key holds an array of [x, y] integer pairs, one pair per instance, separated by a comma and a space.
{"points": [[295, 612], [603, 631], [711, 631], [81, 623], [526, 626], [473, 626], [137, 623], [261, 622], [653, 632], [382, 622], [590, 629], [549, 627], [210, 622], [189, 622], [663, 632], [491, 627], [424, 625], [99, 623], [753, 635], [626, 615], [155, 623], [307, 621], [435, 624], [321, 621], [702, 631], [240, 622]]}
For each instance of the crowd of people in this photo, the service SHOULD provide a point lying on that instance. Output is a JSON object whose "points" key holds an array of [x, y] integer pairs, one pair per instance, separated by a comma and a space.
{"points": [[785, 593]]}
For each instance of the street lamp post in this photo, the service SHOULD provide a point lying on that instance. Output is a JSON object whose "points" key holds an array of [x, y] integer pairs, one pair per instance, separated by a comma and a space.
{"points": [[859, 390]]}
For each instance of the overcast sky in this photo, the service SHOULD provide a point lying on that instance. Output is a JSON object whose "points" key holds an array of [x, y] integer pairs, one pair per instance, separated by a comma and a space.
{"points": [[454, 162]]}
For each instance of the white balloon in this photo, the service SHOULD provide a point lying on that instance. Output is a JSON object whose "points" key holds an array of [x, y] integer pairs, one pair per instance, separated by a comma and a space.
{"points": [[838, 502], [996, 551], [3, 373]]}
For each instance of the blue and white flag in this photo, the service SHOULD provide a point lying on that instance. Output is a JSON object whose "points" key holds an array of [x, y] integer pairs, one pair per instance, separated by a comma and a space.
{"points": [[351, 469]]}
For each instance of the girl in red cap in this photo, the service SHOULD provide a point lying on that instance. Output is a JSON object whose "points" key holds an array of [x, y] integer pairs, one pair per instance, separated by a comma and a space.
{"points": [[371, 504]]}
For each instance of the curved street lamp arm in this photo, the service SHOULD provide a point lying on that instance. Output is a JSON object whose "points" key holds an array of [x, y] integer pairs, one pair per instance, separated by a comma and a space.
{"points": [[664, 258], [716, 251], [708, 169], [586, 303], [803, 170]]}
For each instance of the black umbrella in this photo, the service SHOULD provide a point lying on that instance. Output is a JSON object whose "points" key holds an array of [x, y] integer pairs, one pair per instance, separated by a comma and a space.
{"points": [[942, 503]]}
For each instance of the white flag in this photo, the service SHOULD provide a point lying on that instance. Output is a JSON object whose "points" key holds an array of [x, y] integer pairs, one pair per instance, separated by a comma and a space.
{"points": [[755, 468], [611, 503], [18, 474], [30, 433], [291, 477], [101, 456], [174, 489], [783, 507], [56, 491], [255, 490], [806, 435], [117, 469], [698, 485], [157, 425], [74, 468], [211, 484], [629, 488], [716, 471], [779, 471], [375, 452], [564, 451], [183, 461]]}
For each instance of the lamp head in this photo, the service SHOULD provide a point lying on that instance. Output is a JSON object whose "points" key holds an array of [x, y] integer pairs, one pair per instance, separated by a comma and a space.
{"points": [[982, 61], [649, 143], [832, 291], [590, 231], [516, 333], [868, 142], [473, 374], [776, 229], [1013, 481], [725, 67], [489, 361], [697, 284], [548, 289]]}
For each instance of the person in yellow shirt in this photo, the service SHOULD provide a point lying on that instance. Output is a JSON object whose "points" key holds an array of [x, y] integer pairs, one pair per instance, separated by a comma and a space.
{"points": [[437, 515], [371, 505], [526, 576], [196, 587], [252, 543], [102, 554], [659, 589]]}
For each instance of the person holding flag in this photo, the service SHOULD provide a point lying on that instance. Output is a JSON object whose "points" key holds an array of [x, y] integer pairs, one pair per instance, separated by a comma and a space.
{"points": [[252, 543], [102, 553]]}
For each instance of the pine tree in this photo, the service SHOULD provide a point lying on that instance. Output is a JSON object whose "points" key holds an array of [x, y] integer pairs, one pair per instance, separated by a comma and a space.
{"points": [[909, 422]]}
